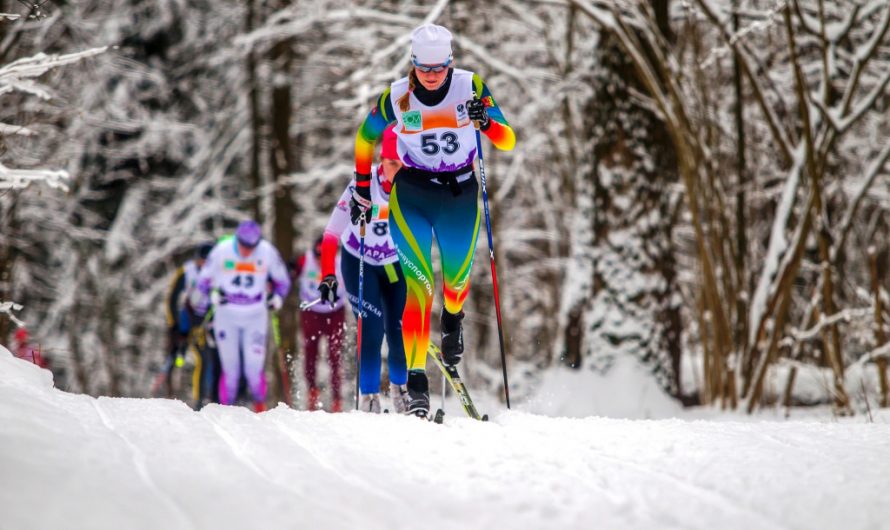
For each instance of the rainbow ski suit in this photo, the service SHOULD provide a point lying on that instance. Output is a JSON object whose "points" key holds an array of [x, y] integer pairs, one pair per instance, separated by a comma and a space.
{"points": [[435, 193]]}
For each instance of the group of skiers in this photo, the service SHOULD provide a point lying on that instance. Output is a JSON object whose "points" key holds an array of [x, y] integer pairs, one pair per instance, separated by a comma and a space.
{"points": [[385, 220]]}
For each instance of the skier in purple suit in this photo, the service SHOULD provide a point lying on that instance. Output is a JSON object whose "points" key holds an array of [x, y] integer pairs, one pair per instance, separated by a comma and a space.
{"points": [[235, 277]]}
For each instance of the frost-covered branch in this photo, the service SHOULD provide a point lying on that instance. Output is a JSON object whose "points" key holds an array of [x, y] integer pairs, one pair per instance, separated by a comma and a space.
{"points": [[842, 123], [881, 352], [293, 22], [18, 76], [7, 308], [14, 130], [875, 168], [845, 315], [738, 36], [13, 75], [777, 248], [780, 134], [863, 55], [22, 178]]}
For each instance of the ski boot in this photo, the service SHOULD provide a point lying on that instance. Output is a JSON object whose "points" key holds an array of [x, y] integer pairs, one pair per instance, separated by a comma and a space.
{"points": [[399, 395], [337, 405], [452, 337], [370, 403], [418, 394], [259, 406]]}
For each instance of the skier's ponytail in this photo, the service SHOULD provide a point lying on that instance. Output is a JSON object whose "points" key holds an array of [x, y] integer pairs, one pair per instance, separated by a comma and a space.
{"points": [[404, 101]]}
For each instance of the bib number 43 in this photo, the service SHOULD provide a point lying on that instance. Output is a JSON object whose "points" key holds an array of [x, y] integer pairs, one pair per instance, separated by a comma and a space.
{"points": [[446, 142], [243, 281]]}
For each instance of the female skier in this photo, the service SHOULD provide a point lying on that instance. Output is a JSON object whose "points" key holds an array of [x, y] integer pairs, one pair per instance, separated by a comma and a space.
{"points": [[434, 109], [384, 284]]}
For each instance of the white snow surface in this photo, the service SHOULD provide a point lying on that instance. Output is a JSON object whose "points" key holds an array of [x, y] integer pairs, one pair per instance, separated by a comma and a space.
{"points": [[73, 461], [627, 390]]}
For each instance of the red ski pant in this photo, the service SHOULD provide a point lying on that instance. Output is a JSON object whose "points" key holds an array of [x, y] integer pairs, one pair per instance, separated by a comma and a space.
{"points": [[315, 326]]}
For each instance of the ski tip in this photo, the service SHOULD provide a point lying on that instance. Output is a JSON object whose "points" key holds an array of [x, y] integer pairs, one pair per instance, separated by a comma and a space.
{"points": [[439, 417]]}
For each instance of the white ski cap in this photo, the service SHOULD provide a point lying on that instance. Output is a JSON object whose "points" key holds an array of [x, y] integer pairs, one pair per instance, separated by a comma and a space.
{"points": [[431, 44]]}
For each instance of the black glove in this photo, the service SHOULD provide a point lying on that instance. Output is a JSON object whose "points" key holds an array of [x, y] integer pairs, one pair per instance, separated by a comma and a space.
{"points": [[328, 289], [175, 338], [360, 203], [477, 111]]}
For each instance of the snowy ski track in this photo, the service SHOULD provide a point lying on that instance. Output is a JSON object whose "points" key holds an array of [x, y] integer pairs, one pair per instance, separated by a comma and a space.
{"points": [[73, 461]]}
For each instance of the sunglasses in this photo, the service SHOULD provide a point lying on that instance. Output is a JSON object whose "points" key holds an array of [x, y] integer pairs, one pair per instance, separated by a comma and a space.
{"points": [[431, 67]]}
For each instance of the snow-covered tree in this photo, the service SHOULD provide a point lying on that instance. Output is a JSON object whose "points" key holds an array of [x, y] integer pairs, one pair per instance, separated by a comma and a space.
{"points": [[20, 81]]}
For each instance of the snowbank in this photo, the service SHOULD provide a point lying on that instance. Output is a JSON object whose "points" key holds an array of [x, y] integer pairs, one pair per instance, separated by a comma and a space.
{"points": [[627, 390], [72, 461]]}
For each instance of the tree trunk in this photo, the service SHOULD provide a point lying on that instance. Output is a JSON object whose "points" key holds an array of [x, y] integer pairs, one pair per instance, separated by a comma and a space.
{"points": [[573, 340], [741, 239], [7, 260], [815, 172], [632, 220], [108, 337], [7, 218], [253, 96], [283, 161], [880, 336], [75, 323]]}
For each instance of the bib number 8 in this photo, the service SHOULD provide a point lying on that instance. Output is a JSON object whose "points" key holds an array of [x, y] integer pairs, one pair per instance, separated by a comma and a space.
{"points": [[446, 142]]}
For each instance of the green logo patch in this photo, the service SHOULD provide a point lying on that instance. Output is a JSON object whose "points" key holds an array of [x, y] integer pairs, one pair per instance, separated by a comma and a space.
{"points": [[229, 265], [413, 120]]}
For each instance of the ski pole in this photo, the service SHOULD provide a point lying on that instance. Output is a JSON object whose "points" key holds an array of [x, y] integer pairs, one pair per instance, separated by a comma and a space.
{"points": [[161, 378], [361, 301], [209, 316], [306, 305], [199, 363], [444, 385], [494, 273], [282, 364]]}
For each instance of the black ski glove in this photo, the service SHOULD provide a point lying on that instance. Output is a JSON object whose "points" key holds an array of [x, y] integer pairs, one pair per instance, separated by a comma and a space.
{"points": [[477, 111], [175, 338], [328, 289], [360, 204]]}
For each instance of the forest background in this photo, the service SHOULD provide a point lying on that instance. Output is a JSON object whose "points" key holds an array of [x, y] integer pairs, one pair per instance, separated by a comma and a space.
{"points": [[698, 185]]}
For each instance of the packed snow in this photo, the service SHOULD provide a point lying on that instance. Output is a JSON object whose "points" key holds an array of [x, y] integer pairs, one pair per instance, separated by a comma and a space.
{"points": [[74, 461], [626, 391]]}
